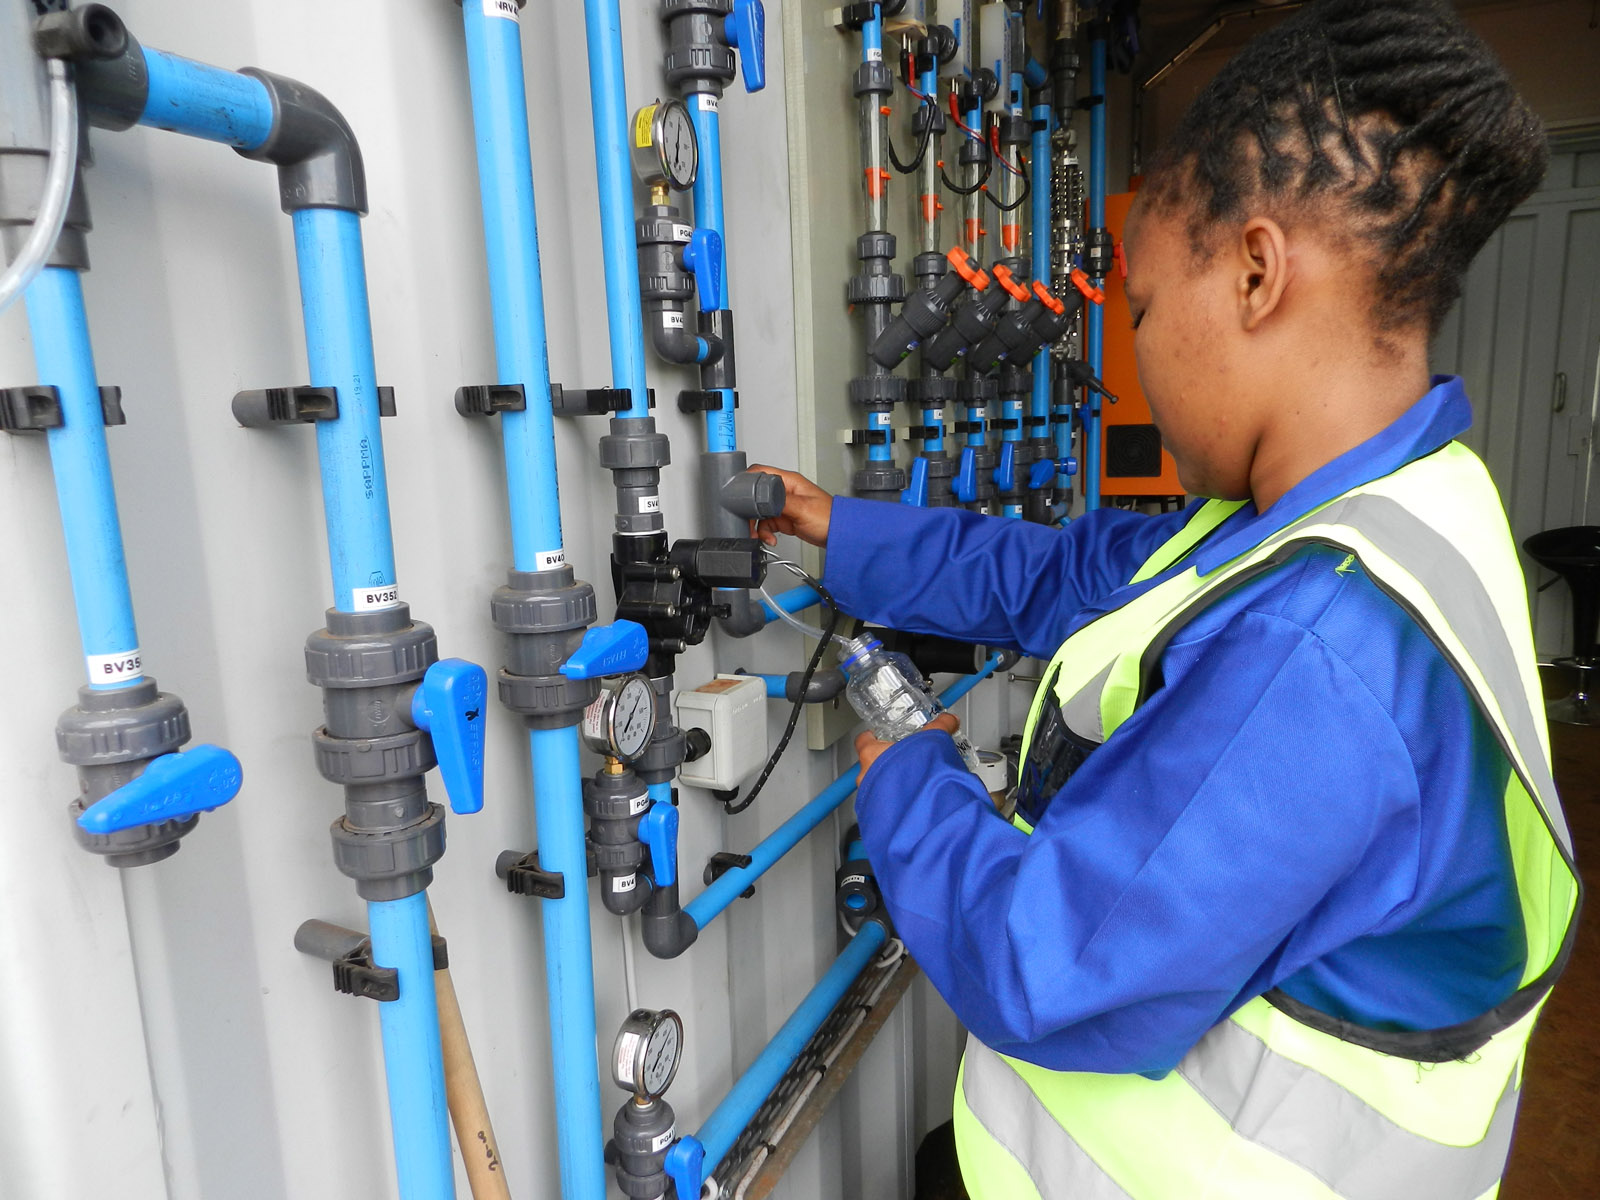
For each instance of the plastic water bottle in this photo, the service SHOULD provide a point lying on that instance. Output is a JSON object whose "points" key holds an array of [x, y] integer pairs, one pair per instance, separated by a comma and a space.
{"points": [[887, 693]]}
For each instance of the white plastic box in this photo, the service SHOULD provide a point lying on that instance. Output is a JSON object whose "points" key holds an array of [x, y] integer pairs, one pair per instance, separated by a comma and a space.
{"points": [[732, 709]]}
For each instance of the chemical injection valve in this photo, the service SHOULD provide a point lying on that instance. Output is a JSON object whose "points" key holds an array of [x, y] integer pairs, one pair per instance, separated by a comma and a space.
{"points": [[644, 1060], [926, 309], [972, 320]]}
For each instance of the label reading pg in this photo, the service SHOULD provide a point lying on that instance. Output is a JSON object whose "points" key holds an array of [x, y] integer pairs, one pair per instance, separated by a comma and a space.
{"points": [[374, 596], [115, 668], [506, 9]]}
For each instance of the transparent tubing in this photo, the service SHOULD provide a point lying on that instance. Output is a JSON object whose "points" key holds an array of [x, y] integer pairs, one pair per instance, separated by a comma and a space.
{"points": [[63, 167], [929, 171], [874, 128], [972, 206], [1010, 194]]}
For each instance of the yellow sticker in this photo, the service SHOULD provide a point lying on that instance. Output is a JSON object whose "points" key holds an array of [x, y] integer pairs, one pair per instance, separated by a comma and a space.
{"points": [[642, 121]]}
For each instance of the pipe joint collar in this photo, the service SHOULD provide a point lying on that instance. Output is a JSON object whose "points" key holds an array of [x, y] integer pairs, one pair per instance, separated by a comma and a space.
{"points": [[547, 701], [543, 602], [630, 451], [128, 725], [359, 762], [390, 864], [312, 145], [372, 649]]}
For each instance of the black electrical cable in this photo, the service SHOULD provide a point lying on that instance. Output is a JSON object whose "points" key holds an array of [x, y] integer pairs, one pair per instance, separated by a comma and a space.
{"points": [[1015, 204], [923, 141], [805, 683], [988, 166]]}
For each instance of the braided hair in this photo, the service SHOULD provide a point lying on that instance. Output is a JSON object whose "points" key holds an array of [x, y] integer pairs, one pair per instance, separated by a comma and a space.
{"points": [[1387, 120]]}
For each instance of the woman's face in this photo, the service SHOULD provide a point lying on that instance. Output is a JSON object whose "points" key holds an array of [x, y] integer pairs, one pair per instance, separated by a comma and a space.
{"points": [[1187, 346]]}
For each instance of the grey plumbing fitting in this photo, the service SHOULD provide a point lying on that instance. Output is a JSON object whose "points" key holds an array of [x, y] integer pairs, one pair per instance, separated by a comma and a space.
{"points": [[666, 287], [615, 799], [110, 737], [640, 1137], [544, 614], [698, 58], [979, 395], [878, 391], [667, 930], [935, 391], [368, 666]]}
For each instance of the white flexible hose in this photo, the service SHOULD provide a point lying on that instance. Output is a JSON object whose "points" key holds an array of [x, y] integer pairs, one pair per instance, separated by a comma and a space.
{"points": [[808, 630], [52, 212]]}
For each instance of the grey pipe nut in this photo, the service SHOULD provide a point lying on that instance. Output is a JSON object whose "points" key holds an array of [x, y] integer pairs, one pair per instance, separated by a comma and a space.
{"points": [[547, 701], [542, 602], [126, 725], [136, 847], [312, 145], [393, 864], [349, 761], [370, 649], [622, 450]]}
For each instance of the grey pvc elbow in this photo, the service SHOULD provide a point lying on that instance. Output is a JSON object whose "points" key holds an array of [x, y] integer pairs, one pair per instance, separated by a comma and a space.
{"points": [[824, 686], [675, 343], [668, 931], [312, 145], [746, 616]]}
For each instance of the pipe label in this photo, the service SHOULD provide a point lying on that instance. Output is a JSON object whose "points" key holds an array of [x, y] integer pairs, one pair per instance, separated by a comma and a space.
{"points": [[664, 1139], [649, 504], [873, 54], [682, 233], [506, 9], [549, 560], [114, 668], [705, 102], [378, 595], [625, 883], [672, 320]]}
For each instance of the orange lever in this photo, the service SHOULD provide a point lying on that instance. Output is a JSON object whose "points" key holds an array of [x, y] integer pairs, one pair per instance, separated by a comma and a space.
{"points": [[1015, 289], [1050, 301], [1122, 259], [967, 269], [1090, 292]]}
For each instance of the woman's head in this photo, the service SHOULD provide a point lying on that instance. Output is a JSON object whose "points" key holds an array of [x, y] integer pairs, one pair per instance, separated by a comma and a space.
{"points": [[1319, 203]]}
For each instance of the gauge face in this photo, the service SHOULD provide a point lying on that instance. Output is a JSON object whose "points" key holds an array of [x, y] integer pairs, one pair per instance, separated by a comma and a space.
{"points": [[680, 152], [648, 1048], [633, 716]]}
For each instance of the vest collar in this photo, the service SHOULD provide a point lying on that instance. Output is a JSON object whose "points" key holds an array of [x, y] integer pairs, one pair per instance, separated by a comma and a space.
{"points": [[1441, 415]]}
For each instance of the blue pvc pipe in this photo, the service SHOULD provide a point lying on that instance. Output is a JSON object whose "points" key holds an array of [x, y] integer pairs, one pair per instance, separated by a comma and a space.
{"points": [[411, 1055], [205, 102], [725, 889], [694, 1158], [355, 491], [569, 965], [84, 488], [1097, 220], [511, 239], [722, 433], [872, 36], [499, 109], [793, 601], [608, 102]]}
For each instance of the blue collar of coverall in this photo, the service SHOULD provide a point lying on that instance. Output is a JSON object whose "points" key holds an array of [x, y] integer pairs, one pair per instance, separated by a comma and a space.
{"points": [[1442, 414]]}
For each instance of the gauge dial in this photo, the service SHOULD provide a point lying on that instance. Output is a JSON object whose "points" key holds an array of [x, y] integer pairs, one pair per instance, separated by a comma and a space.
{"points": [[665, 150], [648, 1048], [620, 720]]}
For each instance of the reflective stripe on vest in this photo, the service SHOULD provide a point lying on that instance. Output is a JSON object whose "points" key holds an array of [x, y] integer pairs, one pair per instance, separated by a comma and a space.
{"points": [[1267, 1106]]}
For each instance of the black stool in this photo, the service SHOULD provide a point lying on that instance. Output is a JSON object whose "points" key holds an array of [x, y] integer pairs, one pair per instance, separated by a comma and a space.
{"points": [[1574, 554]]}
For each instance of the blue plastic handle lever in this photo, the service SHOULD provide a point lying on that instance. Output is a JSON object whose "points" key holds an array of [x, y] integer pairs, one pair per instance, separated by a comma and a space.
{"points": [[658, 830], [917, 493], [613, 649], [450, 707], [172, 787], [966, 485], [1041, 473], [1007, 470], [745, 29], [685, 1163], [703, 256]]}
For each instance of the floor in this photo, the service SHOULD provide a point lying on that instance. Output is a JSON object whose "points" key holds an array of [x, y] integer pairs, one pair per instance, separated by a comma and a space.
{"points": [[1557, 1151]]}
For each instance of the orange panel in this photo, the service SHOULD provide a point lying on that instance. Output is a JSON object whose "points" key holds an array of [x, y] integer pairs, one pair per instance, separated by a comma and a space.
{"points": [[1127, 446]]}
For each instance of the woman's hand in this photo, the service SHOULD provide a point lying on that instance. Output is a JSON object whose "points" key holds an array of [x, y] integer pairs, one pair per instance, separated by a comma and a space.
{"points": [[869, 747], [806, 510]]}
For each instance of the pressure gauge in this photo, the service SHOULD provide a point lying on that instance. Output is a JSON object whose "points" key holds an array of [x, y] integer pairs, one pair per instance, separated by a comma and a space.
{"points": [[665, 151], [619, 721], [645, 1057]]}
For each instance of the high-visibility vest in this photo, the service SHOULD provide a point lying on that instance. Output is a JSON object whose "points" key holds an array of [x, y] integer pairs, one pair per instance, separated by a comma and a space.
{"points": [[1279, 1101]]}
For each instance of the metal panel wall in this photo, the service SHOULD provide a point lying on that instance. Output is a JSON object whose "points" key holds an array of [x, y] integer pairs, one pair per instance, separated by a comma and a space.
{"points": [[159, 1036]]}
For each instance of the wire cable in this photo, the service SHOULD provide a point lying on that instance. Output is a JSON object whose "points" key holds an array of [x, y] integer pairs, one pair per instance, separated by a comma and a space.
{"points": [[1015, 204], [63, 165], [823, 643], [977, 186]]}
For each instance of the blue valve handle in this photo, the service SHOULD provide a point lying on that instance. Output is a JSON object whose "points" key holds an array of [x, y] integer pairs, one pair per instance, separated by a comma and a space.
{"points": [[658, 830], [966, 484], [449, 706], [745, 29], [917, 493], [703, 256], [613, 649], [1006, 471], [684, 1163], [1042, 473], [172, 787]]}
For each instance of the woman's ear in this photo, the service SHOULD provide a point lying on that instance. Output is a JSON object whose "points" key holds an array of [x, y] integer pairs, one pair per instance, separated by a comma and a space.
{"points": [[1263, 270]]}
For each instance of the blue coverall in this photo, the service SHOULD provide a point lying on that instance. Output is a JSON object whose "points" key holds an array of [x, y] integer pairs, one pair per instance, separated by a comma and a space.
{"points": [[1311, 800]]}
